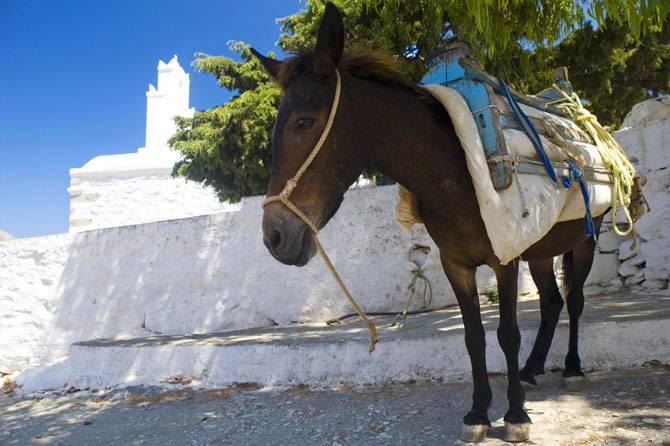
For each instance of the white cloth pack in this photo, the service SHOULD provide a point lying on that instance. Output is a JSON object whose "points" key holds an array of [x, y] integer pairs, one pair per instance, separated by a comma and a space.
{"points": [[502, 211]]}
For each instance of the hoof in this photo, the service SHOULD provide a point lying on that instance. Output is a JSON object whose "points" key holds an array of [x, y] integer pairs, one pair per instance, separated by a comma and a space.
{"points": [[515, 433], [528, 382], [575, 383], [528, 374], [474, 433]]}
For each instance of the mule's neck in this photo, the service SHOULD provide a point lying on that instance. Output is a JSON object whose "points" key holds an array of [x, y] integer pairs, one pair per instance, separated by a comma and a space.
{"points": [[413, 141]]}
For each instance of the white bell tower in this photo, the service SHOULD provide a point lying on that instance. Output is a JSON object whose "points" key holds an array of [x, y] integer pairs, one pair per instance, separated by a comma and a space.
{"points": [[170, 99]]}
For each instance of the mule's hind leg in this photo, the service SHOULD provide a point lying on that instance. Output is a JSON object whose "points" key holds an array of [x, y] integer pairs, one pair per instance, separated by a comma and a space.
{"points": [[517, 422], [576, 267], [551, 304], [462, 279]]}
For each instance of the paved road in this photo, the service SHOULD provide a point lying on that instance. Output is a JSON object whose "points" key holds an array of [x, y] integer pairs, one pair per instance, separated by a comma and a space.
{"points": [[616, 408]]}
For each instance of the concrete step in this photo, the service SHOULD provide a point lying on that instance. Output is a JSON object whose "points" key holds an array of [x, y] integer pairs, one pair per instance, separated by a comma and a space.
{"points": [[619, 330]]}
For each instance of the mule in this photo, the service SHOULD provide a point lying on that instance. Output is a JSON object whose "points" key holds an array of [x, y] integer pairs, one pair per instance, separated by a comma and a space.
{"points": [[362, 112]]}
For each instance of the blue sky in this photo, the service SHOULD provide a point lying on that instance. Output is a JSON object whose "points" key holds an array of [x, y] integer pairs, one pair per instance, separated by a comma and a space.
{"points": [[73, 77]]}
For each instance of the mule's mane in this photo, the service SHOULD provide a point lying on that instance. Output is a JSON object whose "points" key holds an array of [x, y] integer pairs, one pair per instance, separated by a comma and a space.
{"points": [[374, 65]]}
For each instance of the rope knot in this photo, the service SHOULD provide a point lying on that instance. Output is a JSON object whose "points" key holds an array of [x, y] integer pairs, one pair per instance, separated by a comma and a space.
{"points": [[576, 173], [290, 185]]}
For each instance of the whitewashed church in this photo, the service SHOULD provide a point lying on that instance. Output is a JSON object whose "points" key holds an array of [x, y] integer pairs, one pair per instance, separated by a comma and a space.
{"points": [[134, 188]]}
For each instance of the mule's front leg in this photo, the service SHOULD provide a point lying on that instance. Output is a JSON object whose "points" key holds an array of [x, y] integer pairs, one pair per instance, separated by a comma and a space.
{"points": [[462, 278], [517, 422]]}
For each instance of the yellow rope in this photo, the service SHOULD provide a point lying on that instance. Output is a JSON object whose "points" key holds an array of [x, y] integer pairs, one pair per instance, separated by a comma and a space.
{"points": [[283, 198], [613, 156]]}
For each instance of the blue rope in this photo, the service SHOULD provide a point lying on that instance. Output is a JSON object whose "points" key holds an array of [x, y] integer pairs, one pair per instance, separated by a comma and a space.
{"points": [[534, 137], [589, 227]]}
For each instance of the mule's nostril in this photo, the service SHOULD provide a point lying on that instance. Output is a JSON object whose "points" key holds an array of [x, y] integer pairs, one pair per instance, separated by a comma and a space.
{"points": [[275, 239]]}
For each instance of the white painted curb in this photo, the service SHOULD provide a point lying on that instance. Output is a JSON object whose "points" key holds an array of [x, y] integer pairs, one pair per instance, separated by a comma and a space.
{"points": [[431, 348]]}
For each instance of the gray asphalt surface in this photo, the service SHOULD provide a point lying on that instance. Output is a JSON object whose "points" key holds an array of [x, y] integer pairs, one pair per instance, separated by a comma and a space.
{"points": [[615, 408]]}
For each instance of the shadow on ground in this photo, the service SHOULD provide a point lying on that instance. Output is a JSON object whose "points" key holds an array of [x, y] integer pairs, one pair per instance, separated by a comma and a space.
{"points": [[616, 408]]}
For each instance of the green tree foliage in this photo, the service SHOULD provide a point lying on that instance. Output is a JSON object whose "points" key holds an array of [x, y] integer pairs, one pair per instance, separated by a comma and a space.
{"points": [[613, 67], [227, 147], [414, 29]]}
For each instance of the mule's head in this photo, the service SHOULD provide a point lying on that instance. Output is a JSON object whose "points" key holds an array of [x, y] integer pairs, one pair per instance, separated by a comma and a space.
{"points": [[309, 82]]}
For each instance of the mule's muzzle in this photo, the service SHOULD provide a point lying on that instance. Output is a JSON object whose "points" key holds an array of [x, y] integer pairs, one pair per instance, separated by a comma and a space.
{"points": [[286, 236]]}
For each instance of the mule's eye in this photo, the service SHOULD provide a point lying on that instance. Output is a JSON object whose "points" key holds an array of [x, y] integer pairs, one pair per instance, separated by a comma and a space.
{"points": [[304, 123]]}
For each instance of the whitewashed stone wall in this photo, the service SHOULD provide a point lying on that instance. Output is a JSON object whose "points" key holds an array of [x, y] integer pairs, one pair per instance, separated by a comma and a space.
{"points": [[645, 137]]}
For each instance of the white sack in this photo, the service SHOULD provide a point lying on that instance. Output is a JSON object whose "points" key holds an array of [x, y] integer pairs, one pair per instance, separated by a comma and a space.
{"points": [[502, 211]]}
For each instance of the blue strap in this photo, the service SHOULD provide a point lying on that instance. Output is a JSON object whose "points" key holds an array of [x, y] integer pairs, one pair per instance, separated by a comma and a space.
{"points": [[532, 134], [589, 227], [528, 128]]}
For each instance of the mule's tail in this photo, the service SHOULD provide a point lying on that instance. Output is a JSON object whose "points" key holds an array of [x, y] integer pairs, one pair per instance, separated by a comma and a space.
{"points": [[567, 269]]}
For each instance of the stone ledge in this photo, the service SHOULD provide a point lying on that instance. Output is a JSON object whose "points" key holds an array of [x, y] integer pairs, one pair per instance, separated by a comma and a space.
{"points": [[617, 331]]}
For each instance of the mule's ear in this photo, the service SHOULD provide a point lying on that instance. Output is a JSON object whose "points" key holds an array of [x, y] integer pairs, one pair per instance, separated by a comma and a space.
{"points": [[271, 66], [329, 43]]}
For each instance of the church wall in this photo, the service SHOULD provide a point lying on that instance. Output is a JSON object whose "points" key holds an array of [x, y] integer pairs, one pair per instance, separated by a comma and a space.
{"points": [[108, 201]]}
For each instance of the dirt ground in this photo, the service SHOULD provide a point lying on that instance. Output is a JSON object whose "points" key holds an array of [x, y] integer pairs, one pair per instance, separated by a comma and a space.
{"points": [[615, 408]]}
